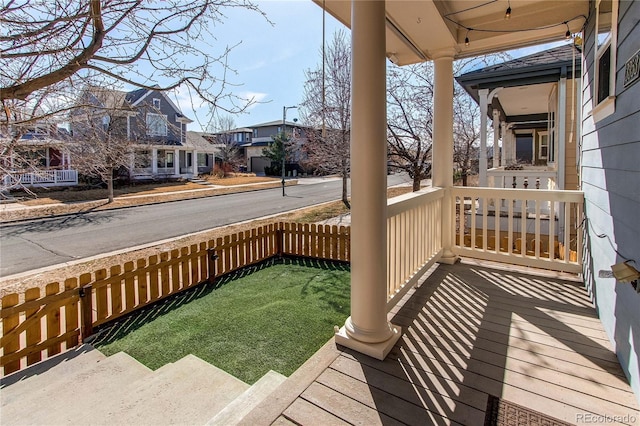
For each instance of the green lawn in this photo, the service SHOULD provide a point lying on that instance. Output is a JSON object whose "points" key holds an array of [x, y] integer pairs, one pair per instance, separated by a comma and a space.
{"points": [[272, 317]]}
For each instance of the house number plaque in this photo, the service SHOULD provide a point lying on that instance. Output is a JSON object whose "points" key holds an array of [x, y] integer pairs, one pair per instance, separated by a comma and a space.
{"points": [[632, 69]]}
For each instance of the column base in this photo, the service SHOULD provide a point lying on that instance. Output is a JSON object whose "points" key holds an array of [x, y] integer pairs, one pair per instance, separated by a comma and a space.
{"points": [[448, 258], [378, 350]]}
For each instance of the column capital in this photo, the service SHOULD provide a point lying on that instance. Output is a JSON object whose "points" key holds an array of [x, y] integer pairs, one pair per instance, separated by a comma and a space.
{"points": [[444, 53]]}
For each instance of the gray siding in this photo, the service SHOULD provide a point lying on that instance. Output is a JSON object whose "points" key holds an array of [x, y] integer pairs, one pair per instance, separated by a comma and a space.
{"points": [[611, 182], [138, 124]]}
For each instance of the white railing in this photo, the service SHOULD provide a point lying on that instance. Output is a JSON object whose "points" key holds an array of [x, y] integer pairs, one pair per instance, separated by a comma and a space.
{"points": [[414, 239], [536, 228], [528, 178], [43, 178]]}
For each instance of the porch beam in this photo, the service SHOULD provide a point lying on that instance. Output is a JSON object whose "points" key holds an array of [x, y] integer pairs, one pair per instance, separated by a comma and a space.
{"points": [[443, 143], [367, 329]]}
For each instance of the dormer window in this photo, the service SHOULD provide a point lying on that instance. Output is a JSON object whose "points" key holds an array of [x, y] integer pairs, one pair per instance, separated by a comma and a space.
{"points": [[156, 103]]}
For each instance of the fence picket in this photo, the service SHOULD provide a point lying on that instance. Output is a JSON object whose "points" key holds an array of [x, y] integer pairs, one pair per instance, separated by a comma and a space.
{"points": [[71, 320], [8, 324], [100, 289], [141, 278], [53, 320], [184, 267], [129, 286], [175, 271], [164, 274], [154, 291], [116, 289], [33, 333]]}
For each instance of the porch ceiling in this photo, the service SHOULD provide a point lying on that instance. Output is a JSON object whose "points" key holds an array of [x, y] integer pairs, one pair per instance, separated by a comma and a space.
{"points": [[525, 100], [417, 30]]}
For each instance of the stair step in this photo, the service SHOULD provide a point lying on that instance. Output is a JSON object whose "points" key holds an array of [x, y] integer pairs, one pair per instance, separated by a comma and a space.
{"points": [[243, 404], [190, 391], [19, 385], [64, 400]]}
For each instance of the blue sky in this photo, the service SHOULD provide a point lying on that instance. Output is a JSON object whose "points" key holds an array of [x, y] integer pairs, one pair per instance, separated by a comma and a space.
{"points": [[272, 59]]}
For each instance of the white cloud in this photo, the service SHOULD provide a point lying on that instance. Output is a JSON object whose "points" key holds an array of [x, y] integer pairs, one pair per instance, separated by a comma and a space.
{"points": [[255, 97]]}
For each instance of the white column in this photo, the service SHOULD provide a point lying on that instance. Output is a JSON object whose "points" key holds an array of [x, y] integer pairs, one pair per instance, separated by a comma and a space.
{"points": [[482, 165], [176, 162], [503, 130], [562, 131], [496, 136], [154, 161], [194, 163], [367, 329], [443, 143]]}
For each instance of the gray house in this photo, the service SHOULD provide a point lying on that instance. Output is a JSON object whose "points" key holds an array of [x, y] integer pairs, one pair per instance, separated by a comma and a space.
{"points": [[158, 128]]}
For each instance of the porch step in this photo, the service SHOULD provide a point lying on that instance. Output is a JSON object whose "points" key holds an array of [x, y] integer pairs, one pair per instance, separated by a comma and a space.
{"points": [[201, 181], [63, 400], [189, 391], [243, 404], [21, 384]]}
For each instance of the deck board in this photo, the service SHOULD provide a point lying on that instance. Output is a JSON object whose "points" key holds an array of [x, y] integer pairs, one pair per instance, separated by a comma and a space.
{"points": [[471, 331]]}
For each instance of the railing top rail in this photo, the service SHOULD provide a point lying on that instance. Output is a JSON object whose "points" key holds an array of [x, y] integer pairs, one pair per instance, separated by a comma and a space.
{"points": [[520, 194], [411, 200], [522, 173]]}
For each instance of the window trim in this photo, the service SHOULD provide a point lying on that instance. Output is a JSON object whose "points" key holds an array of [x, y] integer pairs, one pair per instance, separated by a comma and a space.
{"points": [[164, 120], [605, 107], [154, 103]]}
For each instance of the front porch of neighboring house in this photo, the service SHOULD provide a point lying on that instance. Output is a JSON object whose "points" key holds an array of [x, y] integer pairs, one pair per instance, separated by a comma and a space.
{"points": [[163, 162], [49, 166]]}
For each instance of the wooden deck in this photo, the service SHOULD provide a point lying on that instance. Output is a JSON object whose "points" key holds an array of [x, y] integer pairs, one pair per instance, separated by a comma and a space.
{"points": [[468, 332]]}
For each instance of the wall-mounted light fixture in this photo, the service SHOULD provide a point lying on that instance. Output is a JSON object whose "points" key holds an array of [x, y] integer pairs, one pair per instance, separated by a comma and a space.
{"points": [[625, 273]]}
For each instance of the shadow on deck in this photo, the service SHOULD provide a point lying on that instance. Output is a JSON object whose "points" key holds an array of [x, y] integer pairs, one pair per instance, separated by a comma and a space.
{"points": [[522, 347]]}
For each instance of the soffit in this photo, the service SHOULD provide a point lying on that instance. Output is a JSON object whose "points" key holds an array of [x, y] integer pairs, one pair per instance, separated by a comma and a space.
{"points": [[525, 100], [418, 29]]}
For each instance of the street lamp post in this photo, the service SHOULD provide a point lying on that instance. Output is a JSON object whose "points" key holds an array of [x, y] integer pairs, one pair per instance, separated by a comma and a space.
{"points": [[284, 135]]}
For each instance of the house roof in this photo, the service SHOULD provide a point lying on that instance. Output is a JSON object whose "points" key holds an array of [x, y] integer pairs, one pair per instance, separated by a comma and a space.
{"points": [[197, 141], [551, 58], [275, 123], [523, 85]]}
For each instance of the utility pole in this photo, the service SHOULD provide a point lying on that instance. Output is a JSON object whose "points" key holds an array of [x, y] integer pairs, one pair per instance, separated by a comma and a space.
{"points": [[283, 138]]}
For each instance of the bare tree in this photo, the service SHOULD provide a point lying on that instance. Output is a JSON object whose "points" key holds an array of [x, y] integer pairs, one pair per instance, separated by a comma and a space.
{"points": [[466, 133], [102, 145], [50, 49], [410, 120], [135, 42], [327, 150], [221, 128]]}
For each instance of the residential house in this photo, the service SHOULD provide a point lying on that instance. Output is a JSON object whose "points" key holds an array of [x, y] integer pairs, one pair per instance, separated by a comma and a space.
{"points": [[36, 155], [252, 140], [523, 99], [532, 102], [156, 126]]}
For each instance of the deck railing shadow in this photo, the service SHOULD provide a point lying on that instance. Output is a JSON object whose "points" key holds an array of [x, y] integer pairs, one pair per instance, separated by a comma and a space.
{"points": [[471, 332]]}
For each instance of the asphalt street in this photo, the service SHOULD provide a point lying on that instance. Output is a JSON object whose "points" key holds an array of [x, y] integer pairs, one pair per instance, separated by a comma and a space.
{"points": [[35, 244]]}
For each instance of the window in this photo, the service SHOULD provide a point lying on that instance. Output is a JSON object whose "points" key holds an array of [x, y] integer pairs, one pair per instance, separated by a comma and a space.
{"points": [[605, 58], [156, 103], [165, 159], [156, 124], [543, 145]]}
